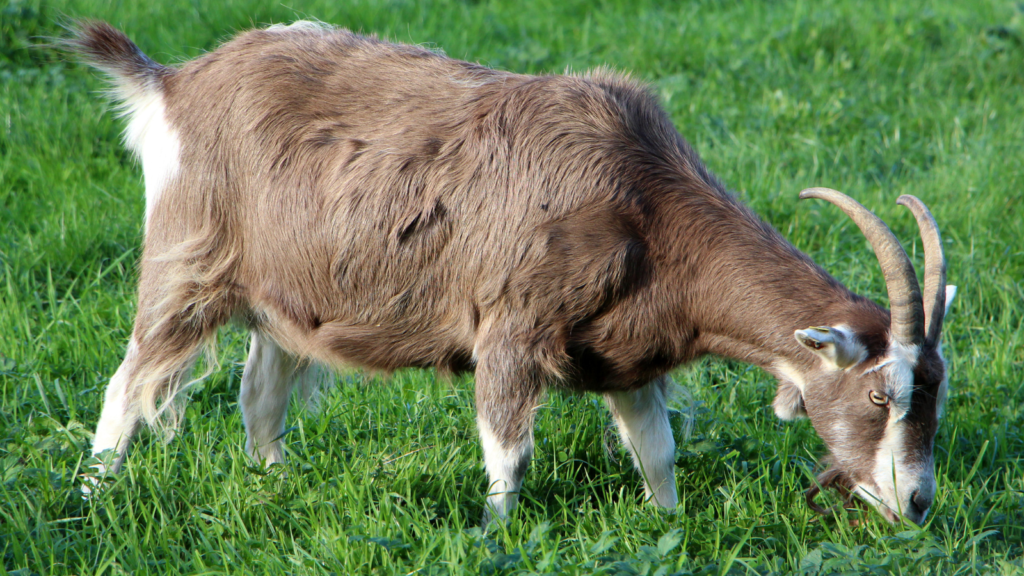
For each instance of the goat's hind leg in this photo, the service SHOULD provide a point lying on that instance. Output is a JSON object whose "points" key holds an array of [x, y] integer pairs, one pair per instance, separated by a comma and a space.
{"points": [[118, 421], [153, 368], [168, 335], [267, 381], [642, 418]]}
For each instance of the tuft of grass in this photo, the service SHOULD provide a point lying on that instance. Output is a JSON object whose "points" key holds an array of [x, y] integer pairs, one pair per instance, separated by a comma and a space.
{"points": [[874, 98]]}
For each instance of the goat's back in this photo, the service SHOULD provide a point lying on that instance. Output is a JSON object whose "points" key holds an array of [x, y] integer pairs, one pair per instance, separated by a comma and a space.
{"points": [[384, 205]]}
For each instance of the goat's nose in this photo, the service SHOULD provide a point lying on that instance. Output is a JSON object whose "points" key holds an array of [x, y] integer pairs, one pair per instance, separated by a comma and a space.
{"points": [[918, 507]]}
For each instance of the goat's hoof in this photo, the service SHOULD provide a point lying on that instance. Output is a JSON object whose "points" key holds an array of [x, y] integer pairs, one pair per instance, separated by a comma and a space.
{"points": [[91, 484], [492, 520], [488, 520], [99, 471]]}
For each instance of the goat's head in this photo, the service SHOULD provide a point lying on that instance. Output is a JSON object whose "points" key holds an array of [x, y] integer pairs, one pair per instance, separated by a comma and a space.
{"points": [[878, 413]]}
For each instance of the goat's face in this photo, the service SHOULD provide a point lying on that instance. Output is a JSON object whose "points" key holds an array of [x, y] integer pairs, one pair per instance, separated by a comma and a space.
{"points": [[878, 418], [878, 413]]}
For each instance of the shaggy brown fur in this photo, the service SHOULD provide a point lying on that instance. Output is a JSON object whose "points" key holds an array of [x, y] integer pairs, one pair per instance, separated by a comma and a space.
{"points": [[379, 205]]}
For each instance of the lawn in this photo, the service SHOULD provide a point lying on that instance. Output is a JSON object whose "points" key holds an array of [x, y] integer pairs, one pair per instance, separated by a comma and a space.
{"points": [[874, 98]]}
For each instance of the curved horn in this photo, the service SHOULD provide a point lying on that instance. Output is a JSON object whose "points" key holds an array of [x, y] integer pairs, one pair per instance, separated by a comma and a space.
{"points": [[934, 268], [907, 323]]}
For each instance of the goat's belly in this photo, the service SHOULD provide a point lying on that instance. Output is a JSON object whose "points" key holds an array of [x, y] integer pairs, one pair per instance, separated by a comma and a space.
{"points": [[386, 348]]}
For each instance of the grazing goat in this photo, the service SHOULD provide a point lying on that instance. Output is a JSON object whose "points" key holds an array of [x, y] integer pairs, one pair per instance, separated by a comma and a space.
{"points": [[356, 202]]}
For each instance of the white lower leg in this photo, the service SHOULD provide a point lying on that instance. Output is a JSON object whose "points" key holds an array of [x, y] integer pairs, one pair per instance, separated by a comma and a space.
{"points": [[118, 422], [266, 386], [642, 419], [506, 467]]}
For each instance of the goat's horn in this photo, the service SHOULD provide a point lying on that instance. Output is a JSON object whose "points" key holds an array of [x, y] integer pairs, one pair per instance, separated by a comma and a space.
{"points": [[907, 324], [934, 268]]}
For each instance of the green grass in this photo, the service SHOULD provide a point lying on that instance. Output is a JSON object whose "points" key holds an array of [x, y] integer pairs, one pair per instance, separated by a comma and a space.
{"points": [[875, 99]]}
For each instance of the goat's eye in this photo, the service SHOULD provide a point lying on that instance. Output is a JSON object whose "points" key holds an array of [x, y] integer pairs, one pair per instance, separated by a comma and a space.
{"points": [[878, 398]]}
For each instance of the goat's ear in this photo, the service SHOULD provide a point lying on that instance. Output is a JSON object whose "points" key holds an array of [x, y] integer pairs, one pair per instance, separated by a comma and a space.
{"points": [[837, 346], [950, 294], [789, 402]]}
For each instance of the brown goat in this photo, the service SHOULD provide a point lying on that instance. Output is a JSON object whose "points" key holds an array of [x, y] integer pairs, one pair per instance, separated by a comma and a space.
{"points": [[356, 202]]}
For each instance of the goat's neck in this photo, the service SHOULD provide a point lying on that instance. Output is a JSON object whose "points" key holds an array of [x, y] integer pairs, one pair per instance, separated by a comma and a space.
{"points": [[744, 289], [756, 323]]}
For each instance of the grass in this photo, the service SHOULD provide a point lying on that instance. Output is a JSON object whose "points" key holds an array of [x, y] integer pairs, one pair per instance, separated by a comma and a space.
{"points": [[876, 99]]}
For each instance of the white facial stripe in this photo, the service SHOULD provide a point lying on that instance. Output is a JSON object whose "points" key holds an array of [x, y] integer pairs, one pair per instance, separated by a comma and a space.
{"points": [[889, 473], [898, 368], [899, 376], [154, 141], [888, 462], [896, 480]]}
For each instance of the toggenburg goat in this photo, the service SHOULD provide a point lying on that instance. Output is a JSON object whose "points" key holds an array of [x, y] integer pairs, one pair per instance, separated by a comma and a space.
{"points": [[356, 202]]}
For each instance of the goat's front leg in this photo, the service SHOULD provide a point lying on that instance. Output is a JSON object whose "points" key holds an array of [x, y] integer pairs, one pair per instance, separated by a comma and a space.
{"points": [[642, 418], [507, 389]]}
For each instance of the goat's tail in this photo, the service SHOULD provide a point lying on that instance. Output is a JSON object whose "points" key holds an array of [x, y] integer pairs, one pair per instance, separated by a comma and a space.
{"points": [[108, 49]]}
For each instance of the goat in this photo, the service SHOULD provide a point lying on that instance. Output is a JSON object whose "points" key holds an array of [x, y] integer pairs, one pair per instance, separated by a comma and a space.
{"points": [[356, 202]]}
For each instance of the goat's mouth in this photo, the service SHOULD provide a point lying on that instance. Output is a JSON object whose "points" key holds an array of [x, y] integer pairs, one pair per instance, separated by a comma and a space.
{"points": [[832, 478], [869, 496], [848, 490]]}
